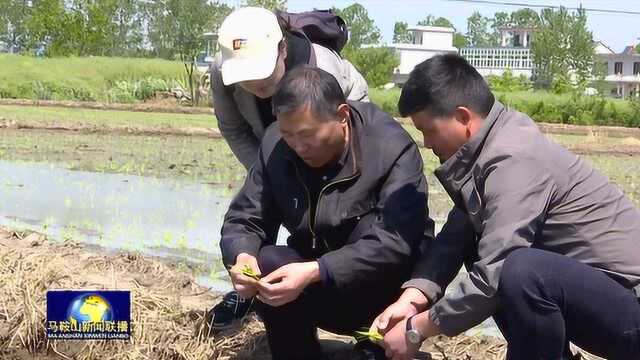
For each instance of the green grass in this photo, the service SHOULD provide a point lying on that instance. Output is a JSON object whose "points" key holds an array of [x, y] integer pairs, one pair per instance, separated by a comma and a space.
{"points": [[55, 116], [77, 78], [544, 106]]}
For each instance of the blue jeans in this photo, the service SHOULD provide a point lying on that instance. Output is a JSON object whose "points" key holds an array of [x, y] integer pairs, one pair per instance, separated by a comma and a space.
{"points": [[547, 300]]}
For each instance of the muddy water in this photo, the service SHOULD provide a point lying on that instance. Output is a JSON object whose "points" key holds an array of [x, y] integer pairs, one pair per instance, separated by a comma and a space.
{"points": [[161, 217]]}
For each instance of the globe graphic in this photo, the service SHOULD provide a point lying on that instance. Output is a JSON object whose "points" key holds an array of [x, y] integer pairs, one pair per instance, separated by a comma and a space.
{"points": [[89, 308]]}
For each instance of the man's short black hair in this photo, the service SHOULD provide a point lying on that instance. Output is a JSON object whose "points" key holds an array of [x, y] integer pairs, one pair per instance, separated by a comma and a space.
{"points": [[441, 84], [308, 86]]}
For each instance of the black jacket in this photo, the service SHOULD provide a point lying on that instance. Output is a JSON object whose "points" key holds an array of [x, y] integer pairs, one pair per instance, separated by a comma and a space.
{"points": [[371, 221]]}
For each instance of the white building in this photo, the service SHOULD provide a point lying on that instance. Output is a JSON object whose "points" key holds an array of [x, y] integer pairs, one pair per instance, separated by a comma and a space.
{"points": [[427, 41], [623, 72], [513, 54]]}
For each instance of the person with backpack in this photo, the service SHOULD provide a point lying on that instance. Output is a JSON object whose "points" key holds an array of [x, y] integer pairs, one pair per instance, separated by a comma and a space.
{"points": [[257, 48], [346, 180]]}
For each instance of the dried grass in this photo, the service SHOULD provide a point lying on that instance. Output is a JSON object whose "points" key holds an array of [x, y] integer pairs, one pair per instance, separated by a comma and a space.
{"points": [[167, 307]]}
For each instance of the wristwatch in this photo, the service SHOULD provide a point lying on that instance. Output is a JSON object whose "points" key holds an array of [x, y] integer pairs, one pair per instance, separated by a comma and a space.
{"points": [[412, 335]]}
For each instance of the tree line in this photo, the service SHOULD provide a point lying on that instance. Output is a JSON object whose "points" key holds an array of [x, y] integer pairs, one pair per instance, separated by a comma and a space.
{"points": [[172, 29]]}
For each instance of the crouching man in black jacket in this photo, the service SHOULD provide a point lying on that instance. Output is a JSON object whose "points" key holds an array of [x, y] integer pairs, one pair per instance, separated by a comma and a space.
{"points": [[347, 182]]}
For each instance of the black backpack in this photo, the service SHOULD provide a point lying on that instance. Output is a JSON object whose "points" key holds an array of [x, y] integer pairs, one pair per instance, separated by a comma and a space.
{"points": [[322, 27]]}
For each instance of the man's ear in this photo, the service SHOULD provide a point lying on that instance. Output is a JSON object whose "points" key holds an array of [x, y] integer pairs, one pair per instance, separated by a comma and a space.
{"points": [[344, 114], [282, 49], [463, 115]]}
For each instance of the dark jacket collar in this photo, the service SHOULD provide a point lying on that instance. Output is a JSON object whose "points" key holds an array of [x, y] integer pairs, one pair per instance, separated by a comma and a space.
{"points": [[454, 172]]}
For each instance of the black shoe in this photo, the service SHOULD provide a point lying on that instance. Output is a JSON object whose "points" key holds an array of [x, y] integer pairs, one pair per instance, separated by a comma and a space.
{"points": [[232, 307], [366, 350]]}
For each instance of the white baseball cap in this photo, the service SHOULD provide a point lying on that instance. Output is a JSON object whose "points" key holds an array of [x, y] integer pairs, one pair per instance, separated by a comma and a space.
{"points": [[249, 39]]}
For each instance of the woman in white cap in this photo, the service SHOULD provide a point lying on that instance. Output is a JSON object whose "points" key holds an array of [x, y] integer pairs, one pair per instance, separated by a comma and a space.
{"points": [[256, 51], [255, 54]]}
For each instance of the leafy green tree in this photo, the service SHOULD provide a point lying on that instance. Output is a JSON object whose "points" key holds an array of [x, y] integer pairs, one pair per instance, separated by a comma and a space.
{"points": [[268, 4], [14, 15], [431, 20], [525, 18], [477, 30], [401, 34], [362, 29], [176, 30], [129, 19], [376, 64], [49, 27], [563, 46]]}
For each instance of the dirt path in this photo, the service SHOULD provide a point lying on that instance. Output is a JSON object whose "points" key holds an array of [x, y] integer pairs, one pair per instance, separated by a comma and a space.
{"points": [[606, 131], [131, 130], [161, 106]]}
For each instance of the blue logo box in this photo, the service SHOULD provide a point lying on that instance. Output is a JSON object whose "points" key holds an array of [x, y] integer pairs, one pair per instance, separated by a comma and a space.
{"points": [[88, 314]]}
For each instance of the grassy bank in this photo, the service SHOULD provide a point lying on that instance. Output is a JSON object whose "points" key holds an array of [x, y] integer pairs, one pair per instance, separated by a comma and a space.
{"points": [[544, 106], [85, 78]]}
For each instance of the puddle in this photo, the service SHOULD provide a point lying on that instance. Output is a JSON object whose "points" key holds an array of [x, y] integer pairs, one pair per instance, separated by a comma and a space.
{"points": [[160, 217]]}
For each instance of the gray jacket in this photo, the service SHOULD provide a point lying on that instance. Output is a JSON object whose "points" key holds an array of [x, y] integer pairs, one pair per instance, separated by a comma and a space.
{"points": [[237, 112], [514, 188]]}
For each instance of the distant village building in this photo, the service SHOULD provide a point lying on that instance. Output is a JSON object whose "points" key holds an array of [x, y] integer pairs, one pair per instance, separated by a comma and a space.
{"points": [[623, 70], [513, 54], [427, 41]]}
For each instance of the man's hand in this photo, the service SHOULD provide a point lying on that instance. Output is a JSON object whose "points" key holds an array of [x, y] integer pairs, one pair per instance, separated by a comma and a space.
{"points": [[410, 303], [286, 283], [396, 346], [395, 341], [244, 285]]}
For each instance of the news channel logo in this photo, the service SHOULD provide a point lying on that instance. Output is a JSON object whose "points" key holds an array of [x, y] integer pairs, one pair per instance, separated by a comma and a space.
{"points": [[88, 314]]}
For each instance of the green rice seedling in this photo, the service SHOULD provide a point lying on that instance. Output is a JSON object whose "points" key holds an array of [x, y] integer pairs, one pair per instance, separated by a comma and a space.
{"points": [[367, 334], [248, 271]]}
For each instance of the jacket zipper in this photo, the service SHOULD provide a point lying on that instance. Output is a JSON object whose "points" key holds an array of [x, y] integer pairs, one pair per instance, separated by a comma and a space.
{"points": [[318, 205], [306, 189]]}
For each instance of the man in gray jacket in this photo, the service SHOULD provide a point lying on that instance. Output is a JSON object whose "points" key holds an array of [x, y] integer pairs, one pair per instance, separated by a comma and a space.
{"points": [[255, 55], [551, 247]]}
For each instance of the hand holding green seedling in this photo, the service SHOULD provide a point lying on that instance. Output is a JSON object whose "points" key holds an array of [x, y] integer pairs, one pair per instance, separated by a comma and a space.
{"points": [[286, 283], [245, 275]]}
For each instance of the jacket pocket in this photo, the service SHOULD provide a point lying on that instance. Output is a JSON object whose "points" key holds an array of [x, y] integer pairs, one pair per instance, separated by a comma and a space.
{"points": [[351, 221]]}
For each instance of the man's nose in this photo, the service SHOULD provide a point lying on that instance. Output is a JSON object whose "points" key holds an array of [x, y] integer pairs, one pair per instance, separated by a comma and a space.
{"points": [[300, 147]]}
